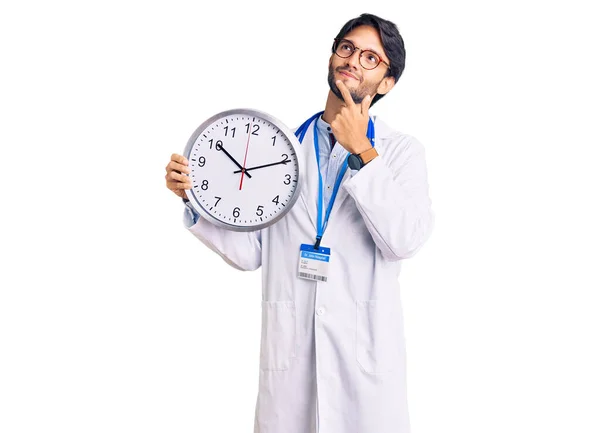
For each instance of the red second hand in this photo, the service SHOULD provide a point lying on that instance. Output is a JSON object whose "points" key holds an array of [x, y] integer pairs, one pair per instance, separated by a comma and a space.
{"points": [[246, 155]]}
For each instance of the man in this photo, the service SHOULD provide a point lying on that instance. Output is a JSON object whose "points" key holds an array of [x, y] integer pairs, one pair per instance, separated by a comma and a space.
{"points": [[332, 353]]}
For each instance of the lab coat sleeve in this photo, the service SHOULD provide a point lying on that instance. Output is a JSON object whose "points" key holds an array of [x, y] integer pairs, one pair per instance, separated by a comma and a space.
{"points": [[392, 195], [241, 250]]}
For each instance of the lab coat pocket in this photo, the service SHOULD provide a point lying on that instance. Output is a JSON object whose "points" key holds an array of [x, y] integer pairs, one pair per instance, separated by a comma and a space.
{"points": [[374, 341], [278, 338]]}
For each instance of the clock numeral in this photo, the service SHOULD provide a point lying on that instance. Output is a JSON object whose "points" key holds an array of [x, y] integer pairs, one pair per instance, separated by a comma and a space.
{"points": [[254, 129], [218, 200], [201, 161], [236, 212], [276, 200], [259, 211], [204, 185], [288, 179], [218, 144], [273, 138], [285, 157], [232, 131]]}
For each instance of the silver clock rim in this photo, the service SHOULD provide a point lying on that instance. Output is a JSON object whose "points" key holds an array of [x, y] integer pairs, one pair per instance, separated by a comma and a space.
{"points": [[288, 134]]}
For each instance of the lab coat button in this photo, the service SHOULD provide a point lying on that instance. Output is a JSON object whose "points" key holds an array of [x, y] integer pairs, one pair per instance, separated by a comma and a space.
{"points": [[321, 311]]}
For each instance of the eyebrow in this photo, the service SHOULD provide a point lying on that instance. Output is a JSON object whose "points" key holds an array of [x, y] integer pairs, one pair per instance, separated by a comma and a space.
{"points": [[364, 49]]}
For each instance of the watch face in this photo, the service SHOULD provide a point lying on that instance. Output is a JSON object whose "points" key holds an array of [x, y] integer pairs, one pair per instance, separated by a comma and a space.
{"points": [[244, 168], [354, 162]]}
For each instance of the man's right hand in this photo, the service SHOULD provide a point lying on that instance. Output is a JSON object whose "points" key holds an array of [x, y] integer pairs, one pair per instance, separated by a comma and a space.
{"points": [[177, 181]]}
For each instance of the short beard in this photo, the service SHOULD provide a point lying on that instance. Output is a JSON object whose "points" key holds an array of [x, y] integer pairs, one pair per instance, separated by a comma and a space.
{"points": [[357, 96]]}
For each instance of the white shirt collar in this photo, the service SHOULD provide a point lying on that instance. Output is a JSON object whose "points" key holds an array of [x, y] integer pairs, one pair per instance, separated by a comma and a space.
{"points": [[323, 126]]}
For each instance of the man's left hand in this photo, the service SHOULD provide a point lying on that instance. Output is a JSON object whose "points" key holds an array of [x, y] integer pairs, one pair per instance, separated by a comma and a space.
{"points": [[350, 125]]}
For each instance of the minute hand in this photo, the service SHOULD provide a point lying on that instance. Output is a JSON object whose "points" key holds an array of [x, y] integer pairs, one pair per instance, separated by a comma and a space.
{"points": [[285, 161]]}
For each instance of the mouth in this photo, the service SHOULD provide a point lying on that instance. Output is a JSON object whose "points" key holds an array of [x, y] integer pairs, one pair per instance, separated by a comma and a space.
{"points": [[348, 74]]}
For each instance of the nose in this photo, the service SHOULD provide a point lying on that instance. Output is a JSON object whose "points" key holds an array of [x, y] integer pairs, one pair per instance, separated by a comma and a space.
{"points": [[354, 60]]}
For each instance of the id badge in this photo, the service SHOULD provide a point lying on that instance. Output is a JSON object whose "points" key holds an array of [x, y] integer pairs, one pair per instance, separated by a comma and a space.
{"points": [[314, 264]]}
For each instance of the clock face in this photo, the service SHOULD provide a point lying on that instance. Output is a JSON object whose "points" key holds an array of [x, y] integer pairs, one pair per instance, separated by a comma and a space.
{"points": [[244, 169]]}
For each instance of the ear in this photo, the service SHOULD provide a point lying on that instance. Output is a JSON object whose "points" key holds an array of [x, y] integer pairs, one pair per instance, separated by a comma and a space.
{"points": [[386, 85]]}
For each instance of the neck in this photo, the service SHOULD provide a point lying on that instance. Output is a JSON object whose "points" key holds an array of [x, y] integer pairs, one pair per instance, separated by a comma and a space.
{"points": [[332, 107]]}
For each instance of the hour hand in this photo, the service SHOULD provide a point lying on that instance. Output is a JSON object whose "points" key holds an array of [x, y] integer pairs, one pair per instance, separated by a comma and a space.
{"points": [[285, 161], [222, 149]]}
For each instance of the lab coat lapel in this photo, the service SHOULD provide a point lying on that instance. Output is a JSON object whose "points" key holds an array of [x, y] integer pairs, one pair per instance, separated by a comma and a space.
{"points": [[309, 193]]}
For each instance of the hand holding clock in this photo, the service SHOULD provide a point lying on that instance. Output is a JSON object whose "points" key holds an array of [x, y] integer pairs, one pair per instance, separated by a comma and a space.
{"points": [[177, 181]]}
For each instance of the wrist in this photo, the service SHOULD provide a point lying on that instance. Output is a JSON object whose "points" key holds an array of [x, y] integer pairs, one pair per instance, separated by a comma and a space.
{"points": [[358, 161], [363, 146]]}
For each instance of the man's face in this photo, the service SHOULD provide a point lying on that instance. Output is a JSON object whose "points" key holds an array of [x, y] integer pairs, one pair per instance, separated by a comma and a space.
{"points": [[360, 81]]}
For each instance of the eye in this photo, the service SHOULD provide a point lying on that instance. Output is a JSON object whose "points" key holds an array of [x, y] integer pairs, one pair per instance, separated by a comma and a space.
{"points": [[372, 58], [345, 46]]}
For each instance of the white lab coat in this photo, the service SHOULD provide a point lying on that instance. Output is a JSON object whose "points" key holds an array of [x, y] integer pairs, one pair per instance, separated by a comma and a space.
{"points": [[332, 356]]}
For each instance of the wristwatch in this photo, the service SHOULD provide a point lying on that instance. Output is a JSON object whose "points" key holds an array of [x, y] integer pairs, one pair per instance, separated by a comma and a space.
{"points": [[356, 161]]}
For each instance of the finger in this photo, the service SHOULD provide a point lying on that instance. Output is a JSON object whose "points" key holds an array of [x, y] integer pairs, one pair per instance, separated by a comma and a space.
{"points": [[366, 103], [179, 159], [178, 177], [345, 93], [178, 167], [177, 186]]}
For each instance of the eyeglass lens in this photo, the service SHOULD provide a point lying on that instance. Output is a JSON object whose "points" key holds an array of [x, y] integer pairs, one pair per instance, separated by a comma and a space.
{"points": [[368, 59]]}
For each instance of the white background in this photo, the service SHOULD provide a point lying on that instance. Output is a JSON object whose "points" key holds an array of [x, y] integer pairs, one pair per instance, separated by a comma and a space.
{"points": [[113, 318]]}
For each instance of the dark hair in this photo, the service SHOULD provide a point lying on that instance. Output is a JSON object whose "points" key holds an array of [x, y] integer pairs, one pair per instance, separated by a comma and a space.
{"points": [[393, 44]]}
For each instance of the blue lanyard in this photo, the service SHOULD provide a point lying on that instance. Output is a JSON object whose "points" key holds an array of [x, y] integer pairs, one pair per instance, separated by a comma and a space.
{"points": [[300, 133]]}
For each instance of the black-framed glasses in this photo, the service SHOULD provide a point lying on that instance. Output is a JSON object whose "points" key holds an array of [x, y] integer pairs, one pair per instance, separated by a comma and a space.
{"points": [[368, 59]]}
